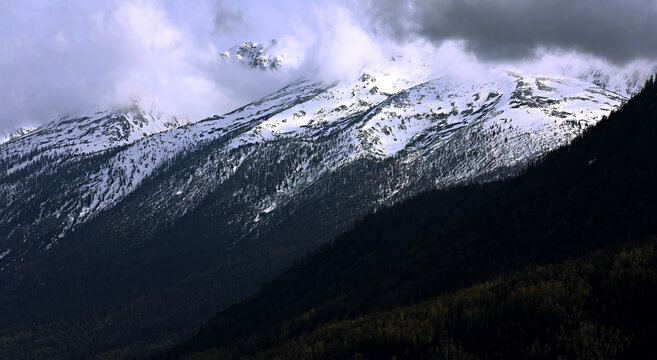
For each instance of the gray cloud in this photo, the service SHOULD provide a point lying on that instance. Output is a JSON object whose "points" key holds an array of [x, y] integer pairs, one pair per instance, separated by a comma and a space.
{"points": [[618, 30], [227, 17]]}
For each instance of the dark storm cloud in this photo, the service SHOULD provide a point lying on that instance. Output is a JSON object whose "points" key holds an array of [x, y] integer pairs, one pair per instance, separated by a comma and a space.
{"points": [[618, 30]]}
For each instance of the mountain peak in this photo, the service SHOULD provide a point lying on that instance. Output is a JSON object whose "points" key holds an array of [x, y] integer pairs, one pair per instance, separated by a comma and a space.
{"points": [[18, 133], [255, 55], [91, 132]]}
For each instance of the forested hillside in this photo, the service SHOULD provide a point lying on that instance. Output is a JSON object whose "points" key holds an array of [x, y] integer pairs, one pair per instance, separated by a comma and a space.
{"points": [[597, 307], [463, 271]]}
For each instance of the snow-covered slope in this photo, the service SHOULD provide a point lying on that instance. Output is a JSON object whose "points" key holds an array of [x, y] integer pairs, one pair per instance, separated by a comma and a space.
{"points": [[413, 134], [102, 130], [18, 133], [626, 83], [74, 136]]}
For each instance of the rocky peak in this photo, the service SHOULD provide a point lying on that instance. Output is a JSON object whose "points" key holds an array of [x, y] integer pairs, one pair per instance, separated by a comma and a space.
{"points": [[255, 55]]}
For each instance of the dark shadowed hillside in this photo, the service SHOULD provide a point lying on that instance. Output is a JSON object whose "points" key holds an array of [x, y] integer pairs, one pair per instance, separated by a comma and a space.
{"points": [[598, 193]]}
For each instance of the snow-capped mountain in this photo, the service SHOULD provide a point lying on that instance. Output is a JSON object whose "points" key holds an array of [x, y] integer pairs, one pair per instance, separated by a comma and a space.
{"points": [[428, 133], [71, 137], [101, 214]]}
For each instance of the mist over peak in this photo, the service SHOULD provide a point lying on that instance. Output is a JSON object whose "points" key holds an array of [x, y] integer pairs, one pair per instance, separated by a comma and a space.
{"points": [[73, 56]]}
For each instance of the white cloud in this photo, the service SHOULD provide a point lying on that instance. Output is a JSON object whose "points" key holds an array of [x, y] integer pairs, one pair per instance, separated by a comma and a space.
{"points": [[68, 56], [340, 47], [64, 56]]}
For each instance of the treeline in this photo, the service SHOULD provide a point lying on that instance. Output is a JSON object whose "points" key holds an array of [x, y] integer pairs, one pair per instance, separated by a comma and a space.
{"points": [[597, 193]]}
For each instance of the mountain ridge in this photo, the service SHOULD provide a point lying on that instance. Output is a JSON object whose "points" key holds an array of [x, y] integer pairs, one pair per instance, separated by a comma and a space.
{"points": [[210, 210], [308, 110]]}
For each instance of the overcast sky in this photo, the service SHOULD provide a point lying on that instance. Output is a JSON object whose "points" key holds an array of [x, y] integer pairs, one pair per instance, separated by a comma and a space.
{"points": [[65, 56], [617, 30]]}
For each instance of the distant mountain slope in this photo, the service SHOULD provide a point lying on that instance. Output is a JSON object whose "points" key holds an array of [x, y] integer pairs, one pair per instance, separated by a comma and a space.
{"points": [[597, 193], [18, 133], [86, 134], [627, 83]]}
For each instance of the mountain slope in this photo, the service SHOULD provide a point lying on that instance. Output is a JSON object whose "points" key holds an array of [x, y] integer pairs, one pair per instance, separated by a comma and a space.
{"points": [[106, 241], [627, 83], [596, 193], [86, 134], [480, 130], [18, 133]]}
